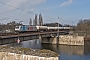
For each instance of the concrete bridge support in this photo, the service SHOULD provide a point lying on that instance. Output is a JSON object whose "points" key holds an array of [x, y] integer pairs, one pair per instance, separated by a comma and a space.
{"points": [[71, 40], [51, 40], [64, 39]]}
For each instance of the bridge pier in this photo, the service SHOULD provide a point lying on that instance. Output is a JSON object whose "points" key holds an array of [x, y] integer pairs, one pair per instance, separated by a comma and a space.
{"points": [[71, 40], [64, 39], [50, 40]]}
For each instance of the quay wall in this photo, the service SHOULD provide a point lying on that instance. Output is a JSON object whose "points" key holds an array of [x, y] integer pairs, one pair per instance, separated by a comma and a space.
{"points": [[14, 56]]}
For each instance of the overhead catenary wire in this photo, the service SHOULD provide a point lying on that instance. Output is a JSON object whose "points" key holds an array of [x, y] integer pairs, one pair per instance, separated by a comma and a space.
{"points": [[4, 18], [16, 7], [24, 10]]}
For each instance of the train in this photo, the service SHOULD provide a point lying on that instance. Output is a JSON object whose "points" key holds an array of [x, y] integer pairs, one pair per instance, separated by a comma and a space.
{"points": [[28, 28]]}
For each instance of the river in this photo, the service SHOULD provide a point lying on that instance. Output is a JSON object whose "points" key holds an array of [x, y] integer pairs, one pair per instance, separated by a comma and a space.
{"points": [[66, 52]]}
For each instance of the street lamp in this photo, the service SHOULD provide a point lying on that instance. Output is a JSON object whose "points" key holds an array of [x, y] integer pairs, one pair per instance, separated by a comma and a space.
{"points": [[58, 27]]}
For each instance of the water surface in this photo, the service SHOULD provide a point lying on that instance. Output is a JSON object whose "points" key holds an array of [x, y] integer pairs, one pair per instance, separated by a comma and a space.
{"points": [[66, 52]]}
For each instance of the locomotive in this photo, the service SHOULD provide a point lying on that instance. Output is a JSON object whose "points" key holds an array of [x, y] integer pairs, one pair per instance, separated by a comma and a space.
{"points": [[28, 28], [24, 28]]}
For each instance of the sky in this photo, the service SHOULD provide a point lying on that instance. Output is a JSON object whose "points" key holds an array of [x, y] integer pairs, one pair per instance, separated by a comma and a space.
{"points": [[68, 11]]}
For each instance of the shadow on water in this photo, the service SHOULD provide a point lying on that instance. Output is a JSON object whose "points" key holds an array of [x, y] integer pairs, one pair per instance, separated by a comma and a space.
{"points": [[87, 48], [66, 52], [34, 44], [70, 52]]}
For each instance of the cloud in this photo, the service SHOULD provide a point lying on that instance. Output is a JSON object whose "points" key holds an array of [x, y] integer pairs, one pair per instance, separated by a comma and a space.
{"points": [[44, 9], [66, 3], [49, 8], [17, 3], [30, 11], [1, 11], [35, 2]]}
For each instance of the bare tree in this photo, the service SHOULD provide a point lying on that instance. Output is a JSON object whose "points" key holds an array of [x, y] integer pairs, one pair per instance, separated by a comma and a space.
{"points": [[35, 19], [34, 22], [40, 20], [30, 22], [83, 26]]}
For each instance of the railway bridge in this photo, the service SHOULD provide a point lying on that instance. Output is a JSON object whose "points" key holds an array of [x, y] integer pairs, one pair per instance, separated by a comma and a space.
{"points": [[45, 37], [60, 37]]}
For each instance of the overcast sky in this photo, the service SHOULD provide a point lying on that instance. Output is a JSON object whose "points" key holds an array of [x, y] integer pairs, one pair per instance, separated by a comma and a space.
{"points": [[71, 11]]}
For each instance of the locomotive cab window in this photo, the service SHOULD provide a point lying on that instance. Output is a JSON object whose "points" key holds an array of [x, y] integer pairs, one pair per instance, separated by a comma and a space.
{"points": [[17, 26]]}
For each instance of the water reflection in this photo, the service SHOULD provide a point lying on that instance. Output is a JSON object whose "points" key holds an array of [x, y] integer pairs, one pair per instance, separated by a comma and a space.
{"points": [[35, 44], [66, 52], [78, 50], [87, 48]]}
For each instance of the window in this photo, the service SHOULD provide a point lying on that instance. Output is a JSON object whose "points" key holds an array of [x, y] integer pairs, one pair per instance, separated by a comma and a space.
{"points": [[17, 26]]}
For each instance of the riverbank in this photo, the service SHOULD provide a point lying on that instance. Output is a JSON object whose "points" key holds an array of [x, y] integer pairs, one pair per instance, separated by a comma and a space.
{"points": [[8, 53]]}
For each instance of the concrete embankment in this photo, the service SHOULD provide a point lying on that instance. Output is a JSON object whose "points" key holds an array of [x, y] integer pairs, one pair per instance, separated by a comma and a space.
{"points": [[10, 53], [69, 40]]}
